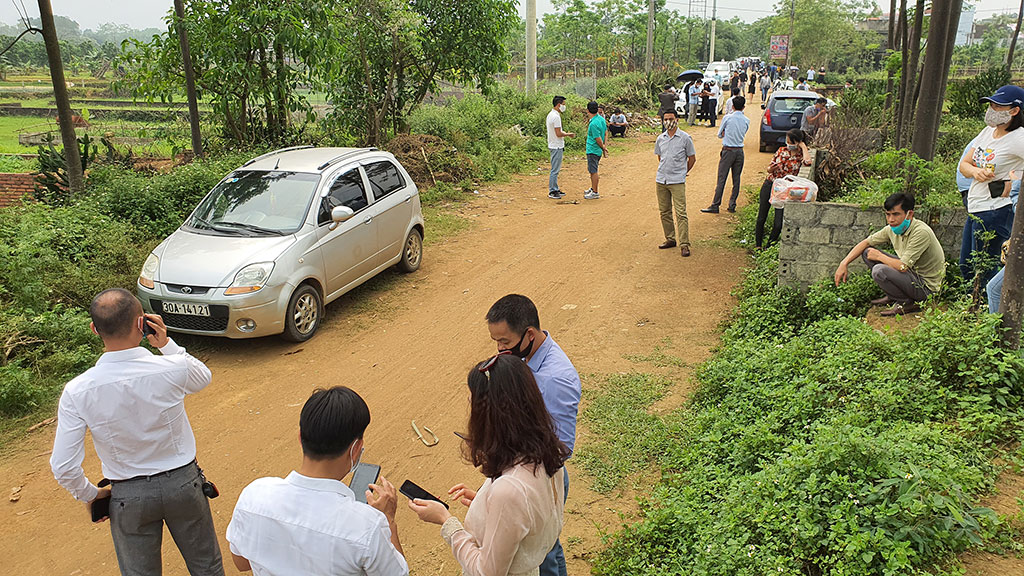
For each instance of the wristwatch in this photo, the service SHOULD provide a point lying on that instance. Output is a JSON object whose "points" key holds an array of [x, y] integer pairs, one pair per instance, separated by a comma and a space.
{"points": [[903, 267]]}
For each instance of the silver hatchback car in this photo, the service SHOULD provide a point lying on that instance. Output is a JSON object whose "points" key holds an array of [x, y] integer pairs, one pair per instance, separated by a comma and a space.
{"points": [[280, 237]]}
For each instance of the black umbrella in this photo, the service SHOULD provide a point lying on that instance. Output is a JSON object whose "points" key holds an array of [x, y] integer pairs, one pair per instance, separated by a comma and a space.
{"points": [[690, 75]]}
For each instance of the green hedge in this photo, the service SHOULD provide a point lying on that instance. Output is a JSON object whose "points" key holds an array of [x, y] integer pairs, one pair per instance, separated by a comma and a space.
{"points": [[818, 445]]}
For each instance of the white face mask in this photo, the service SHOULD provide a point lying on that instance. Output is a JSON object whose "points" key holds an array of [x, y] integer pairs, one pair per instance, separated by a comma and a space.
{"points": [[561, 107], [995, 117], [355, 461]]}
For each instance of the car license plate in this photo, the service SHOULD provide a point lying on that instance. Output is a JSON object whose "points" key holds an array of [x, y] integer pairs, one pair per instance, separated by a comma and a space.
{"points": [[185, 308]]}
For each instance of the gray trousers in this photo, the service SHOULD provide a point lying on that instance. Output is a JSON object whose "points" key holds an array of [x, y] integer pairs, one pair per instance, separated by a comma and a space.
{"points": [[731, 160], [901, 287], [556, 167], [140, 507]]}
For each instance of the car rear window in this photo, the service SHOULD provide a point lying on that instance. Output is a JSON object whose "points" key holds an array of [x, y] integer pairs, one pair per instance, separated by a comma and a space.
{"points": [[791, 104], [384, 178]]}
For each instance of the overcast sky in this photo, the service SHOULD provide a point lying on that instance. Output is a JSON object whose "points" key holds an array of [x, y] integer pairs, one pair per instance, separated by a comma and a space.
{"points": [[148, 13]]}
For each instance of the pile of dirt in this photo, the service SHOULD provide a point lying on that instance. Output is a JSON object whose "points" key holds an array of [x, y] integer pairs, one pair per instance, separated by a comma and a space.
{"points": [[429, 159]]}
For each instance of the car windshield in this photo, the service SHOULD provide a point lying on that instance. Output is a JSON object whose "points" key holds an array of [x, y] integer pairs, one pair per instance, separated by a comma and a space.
{"points": [[791, 104], [256, 203]]}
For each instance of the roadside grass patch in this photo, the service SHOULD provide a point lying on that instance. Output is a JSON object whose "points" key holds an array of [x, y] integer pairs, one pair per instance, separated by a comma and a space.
{"points": [[626, 437], [817, 445]]}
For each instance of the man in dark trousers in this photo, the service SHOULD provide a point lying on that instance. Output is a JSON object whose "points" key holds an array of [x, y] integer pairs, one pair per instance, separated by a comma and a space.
{"points": [[666, 102], [733, 130], [133, 402]]}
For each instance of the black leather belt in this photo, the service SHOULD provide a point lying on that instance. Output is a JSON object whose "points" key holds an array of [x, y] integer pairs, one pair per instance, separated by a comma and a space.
{"points": [[151, 476]]}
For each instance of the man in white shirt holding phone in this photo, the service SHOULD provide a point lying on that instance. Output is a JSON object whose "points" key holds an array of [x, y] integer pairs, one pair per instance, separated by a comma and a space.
{"points": [[133, 402], [310, 522]]}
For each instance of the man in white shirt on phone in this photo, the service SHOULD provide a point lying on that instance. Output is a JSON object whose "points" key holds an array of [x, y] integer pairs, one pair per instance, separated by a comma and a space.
{"points": [[133, 402], [310, 522]]}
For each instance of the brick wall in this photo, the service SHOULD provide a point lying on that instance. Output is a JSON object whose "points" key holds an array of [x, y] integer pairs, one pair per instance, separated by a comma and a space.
{"points": [[14, 186], [817, 235]]}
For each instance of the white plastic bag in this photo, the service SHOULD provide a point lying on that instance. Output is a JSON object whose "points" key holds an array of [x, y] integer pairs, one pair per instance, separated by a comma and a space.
{"points": [[793, 189]]}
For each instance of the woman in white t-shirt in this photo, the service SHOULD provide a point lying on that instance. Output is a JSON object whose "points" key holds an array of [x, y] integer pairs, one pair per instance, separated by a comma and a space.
{"points": [[515, 518], [991, 156]]}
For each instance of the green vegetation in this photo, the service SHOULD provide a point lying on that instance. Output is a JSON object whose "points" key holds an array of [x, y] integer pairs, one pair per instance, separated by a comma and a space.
{"points": [[816, 444], [933, 182]]}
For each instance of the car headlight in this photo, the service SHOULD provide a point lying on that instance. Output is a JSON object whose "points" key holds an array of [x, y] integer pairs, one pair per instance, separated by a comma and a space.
{"points": [[250, 279], [148, 274]]}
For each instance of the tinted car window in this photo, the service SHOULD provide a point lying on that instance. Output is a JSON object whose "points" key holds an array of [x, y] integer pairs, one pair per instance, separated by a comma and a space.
{"points": [[791, 104], [347, 190], [384, 178]]}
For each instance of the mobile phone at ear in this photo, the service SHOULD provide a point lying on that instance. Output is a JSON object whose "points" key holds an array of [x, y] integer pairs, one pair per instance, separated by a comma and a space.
{"points": [[100, 508], [364, 475], [413, 492], [146, 328]]}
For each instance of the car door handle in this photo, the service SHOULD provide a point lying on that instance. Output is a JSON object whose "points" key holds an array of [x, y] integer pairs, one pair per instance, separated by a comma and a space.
{"points": [[368, 220], [409, 197]]}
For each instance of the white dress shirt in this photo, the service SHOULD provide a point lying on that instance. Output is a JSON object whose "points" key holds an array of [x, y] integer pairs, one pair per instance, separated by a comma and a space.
{"points": [[313, 527], [133, 401]]}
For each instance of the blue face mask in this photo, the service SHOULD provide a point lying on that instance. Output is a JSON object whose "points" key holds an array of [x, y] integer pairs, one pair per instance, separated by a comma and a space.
{"points": [[899, 230]]}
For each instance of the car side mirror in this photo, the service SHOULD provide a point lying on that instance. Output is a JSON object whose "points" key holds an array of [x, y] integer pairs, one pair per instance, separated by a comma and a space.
{"points": [[340, 214]]}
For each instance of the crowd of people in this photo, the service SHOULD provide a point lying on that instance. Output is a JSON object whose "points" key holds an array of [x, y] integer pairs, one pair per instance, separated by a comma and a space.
{"points": [[521, 430]]}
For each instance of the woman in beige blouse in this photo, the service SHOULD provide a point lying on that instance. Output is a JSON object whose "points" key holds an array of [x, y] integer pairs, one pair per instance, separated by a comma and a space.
{"points": [[516, 516]]}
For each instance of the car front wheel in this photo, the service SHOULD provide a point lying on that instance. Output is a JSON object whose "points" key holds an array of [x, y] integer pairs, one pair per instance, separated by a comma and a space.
{"points": [[305, 312], [412, 252]]}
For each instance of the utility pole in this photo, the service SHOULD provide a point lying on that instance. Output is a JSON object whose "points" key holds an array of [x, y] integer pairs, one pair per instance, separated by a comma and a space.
{"points": [[649, 61], [76, 180], [714, 16], [1013, 40], [531, 47], [789, 45], [190, 79]]}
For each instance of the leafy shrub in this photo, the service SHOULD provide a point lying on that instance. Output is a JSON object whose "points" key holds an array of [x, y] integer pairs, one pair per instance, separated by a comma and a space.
{"points": [[821, 446], [963, 94], [955, 134], [933, 183], [866, 101], [633, 90]]}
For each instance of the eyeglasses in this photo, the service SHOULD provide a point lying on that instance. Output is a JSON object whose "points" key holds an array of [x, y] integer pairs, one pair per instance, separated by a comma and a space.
{"points": [[490, 363]]}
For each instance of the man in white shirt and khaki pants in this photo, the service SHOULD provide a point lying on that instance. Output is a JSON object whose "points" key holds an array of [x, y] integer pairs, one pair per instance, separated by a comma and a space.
{"points": [[133, 402]]}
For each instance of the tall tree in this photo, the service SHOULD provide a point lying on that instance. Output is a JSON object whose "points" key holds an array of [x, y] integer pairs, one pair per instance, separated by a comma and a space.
{"points": [[910, 82], [1011, 306], [190, 81], [937, 57], [1013, 39], [889, 45], [76, 178]]}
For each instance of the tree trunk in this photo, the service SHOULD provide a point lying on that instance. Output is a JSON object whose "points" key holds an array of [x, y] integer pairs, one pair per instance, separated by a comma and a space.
{"points": [[954, 25], [904, 74], [281, 86], [76, 180], [1011, 305], [190, 80], [937, 57], [913, 80], [1013, 40], [889, 45]]}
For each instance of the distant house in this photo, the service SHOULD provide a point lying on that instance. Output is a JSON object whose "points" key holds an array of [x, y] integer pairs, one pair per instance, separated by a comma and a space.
{"points": [[967, 32]]}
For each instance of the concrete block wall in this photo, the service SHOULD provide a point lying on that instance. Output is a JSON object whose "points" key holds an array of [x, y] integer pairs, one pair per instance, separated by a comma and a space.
{"points": [[15, 186], [817, 235]]}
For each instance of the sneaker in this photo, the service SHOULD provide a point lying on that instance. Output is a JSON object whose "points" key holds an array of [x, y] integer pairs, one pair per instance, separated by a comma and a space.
{"points": [[588, 191], [555, 195], [591, 195]]}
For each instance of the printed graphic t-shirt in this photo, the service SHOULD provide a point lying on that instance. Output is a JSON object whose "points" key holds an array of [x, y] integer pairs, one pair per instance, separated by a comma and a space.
{"points": [[999, 155]]}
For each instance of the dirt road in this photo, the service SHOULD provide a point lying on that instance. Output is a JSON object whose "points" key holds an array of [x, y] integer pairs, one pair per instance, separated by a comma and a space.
{"points": [[603, 289]]}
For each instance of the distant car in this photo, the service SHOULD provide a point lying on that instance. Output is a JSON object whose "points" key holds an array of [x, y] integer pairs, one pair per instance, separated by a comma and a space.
{"points": [[783, 112], [722, 67], [279, 238]]}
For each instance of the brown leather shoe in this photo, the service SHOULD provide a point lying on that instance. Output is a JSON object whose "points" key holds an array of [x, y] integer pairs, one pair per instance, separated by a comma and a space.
{"points": [[884, 300], [685, 251], [667, 244]]}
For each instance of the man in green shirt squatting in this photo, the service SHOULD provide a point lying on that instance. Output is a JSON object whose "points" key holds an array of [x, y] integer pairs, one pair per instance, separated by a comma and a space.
{"points": [[917, 269]]}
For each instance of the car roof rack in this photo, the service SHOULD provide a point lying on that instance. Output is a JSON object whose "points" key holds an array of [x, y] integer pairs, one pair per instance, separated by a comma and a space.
{"points": [[341, 157], [262, 156]]}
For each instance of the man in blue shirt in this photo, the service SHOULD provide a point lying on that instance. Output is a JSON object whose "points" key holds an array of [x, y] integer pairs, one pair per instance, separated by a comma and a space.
{"points": [[693, 100], [733, 130], [597, 127], [514, 325]]}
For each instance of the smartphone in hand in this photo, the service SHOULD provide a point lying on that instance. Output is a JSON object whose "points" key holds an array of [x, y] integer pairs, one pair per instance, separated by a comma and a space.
{"points": [[364, 475], [100, 508], [414, 492]]}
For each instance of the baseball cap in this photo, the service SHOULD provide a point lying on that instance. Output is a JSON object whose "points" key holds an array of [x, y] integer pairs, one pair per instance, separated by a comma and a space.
{"points": [[1006, 96]]}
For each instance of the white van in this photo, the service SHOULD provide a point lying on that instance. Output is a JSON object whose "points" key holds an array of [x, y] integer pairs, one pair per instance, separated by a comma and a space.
{"points": [[722, 67]]}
